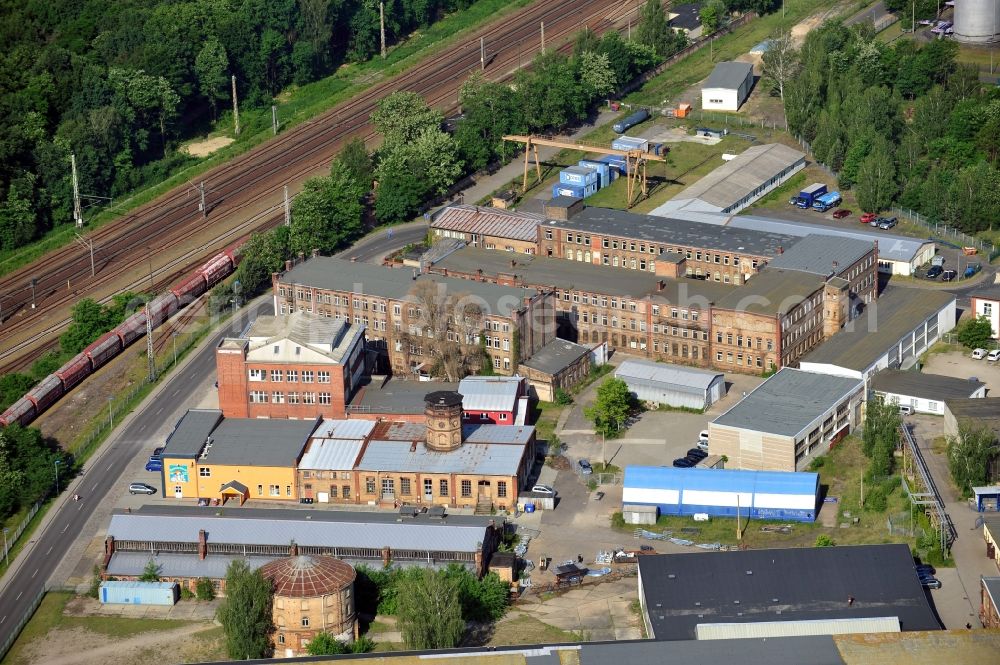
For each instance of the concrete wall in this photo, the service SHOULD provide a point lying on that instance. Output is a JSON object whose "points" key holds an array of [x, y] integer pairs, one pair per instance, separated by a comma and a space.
{"points": [[922, 404]]}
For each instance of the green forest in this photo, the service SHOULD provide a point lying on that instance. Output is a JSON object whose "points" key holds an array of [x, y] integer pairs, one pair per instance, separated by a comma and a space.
{"points": [[120, 83], [902, 124]]}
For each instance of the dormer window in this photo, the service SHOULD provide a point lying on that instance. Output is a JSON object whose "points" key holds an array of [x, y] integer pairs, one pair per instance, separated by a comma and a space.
{"points": [[277, 349]]}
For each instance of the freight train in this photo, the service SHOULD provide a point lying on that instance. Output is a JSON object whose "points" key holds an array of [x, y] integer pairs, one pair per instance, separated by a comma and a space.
{"points": [[113, 342]]}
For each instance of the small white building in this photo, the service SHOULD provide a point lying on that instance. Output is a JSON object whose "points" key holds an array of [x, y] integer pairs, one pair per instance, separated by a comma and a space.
{"points": [[728, 86], [672, 385], [986, 302], [924, 393]]}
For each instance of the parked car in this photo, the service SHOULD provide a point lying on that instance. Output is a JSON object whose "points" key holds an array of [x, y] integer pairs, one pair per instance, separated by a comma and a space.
{"points": [[703, 435], [972, 270], [934, 272], [141, 488], [585, 467], [887, 223], [543, 489], [993, 356], [793, 201], [978, 354], [697, 454], [683, 463], [702, 445], [925, 567], [949, 275], [154, 464], [905, 410], [930, 583], [158, 451], [868, 217], [841, 213]]}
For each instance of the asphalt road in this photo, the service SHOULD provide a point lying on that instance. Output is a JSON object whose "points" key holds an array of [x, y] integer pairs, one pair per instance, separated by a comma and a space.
{"points": [[101, 479]]}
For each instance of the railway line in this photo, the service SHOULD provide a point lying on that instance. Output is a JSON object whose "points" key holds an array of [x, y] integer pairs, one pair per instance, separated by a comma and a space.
{"points": [[245, 190]]}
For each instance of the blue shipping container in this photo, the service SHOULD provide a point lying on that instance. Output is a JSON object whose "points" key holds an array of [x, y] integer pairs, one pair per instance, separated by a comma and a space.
{"points": [[567, 190], [578, 175], [139, 593], [603, 169], [616, 163]]}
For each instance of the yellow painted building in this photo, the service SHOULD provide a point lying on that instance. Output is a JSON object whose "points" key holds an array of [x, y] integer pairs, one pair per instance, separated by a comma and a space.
{"points": [[208, 457]]}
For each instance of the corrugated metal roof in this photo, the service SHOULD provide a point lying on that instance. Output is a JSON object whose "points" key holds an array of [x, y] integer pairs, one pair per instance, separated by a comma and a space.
{"points": [[314, 528], [818, 253], [667, 376], [489, 222], [556, 356], [729, 75], [331, 454], [506, 434], [180, 565], [191, 431], [472, 458], [488, 393], [344, 429], [788, 402], [769, 629], [721, 480]]}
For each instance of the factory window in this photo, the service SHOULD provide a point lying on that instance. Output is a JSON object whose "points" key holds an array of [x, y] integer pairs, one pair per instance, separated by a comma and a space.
{"points": [[258, 397], [307, 376], [323, 376], [324, 398], [305, 622], [548, 234], [345, 491], [501, 489], [466, 488], [274, 490], [404, 486], [205, 472], [277, 398], [257, 375], [281, 638], [604, 243], [288, 490], [308, 398], [293, 398], [570, 237], [369, 485], [443, 488], [260, 490], [292, 375]]}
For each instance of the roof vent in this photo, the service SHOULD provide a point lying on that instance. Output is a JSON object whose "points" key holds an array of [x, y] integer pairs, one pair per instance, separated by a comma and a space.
{"points": [[778, 612], [697, 603], [671, 576], [701, 616], [659, 604], [736, 602], [774, 600], [749, 572], [739, 614]]}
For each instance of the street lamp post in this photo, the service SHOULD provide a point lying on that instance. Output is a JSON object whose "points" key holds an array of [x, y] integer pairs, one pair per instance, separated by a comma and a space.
{"points": [[174, 336], [111, 412], [6, 550], [57, 463], [34, 281]]}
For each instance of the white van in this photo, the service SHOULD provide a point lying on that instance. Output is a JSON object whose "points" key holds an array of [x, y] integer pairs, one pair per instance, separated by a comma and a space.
{"points": [[905, 410], [993, 355], [978, 354]]}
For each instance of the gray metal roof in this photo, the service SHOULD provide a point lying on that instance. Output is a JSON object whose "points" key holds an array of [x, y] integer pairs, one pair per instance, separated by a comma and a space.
{"points": [[988, 293], [730, 75], [682, 591], [733, 181], [897, 312], [662, 375], [772, 629], [675, 232], [506, 434], [890, 247], [256, 442], [556, 356], [547, 272], [788, 402], [331, 454], [992, 586], [191, 432], [180, 565], [488, 222], [331, 336], [771, 292], [986, 410], [344, 429], [327, 272], [926, 386], [822, 254], [332, 528], [489, 393], [470, 458], [395, 395], [817, 650]]}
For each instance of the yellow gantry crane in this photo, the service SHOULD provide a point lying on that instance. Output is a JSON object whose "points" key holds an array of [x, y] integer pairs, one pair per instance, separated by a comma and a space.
{"points": [[635, 161]]}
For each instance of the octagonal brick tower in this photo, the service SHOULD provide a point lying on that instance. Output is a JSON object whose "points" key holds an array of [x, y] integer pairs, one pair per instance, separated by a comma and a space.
{"points": [[443, 409]]}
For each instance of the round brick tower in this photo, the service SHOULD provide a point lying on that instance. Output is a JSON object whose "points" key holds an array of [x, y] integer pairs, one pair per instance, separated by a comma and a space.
{"points": [[443, 409]]}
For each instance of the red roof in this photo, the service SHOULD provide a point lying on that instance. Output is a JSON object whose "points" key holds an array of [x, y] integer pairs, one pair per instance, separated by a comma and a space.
{"points": [[308, 576]]}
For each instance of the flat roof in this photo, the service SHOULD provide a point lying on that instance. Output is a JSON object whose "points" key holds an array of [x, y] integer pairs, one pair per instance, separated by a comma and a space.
{"points": [[330, 273], [254, 441], [675, 231], [490, 393], [657, 374], [191, 432], [184, 565], [886, 321], [331, 454], [469, 458], [730, 75], [986, 410], [488, 222], [506, 434], [733, 181], [548, 272], [822, 254], [926, 386], [330, 337], [752, 586], [685, 16], [281, 526], [788, 402], [771, 292], [987, 293], [556, 356], [395, 395]]}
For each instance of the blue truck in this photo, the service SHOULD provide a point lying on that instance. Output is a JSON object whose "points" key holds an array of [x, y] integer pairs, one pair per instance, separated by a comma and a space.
{"points": [[826, 201], [809, 195]]}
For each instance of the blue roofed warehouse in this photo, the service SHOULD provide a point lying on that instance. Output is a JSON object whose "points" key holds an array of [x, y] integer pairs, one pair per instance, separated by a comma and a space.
{"points": [[778, 495]]}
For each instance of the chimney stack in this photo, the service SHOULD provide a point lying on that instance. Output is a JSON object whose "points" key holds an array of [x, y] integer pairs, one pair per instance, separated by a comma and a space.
{"points": [[660, 285], [202, 544], [288, 265], [315, 252], [781, 250]]}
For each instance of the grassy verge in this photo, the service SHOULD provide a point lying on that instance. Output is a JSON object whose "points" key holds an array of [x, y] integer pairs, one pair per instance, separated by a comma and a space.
{"points": [[529, 630], [295, 105]]}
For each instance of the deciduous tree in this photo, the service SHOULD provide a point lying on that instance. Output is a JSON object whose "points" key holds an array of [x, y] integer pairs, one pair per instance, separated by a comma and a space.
{"points": [[402, 116], [877, 187], [781, 62], [430, 611], [969, 455], [611, 408], [245, 612], [653, 29], [975, 333]]}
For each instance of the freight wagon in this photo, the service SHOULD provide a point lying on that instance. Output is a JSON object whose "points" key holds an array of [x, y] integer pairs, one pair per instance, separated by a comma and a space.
{"points": [[75, 371], [106, 347], [131, 328], [162, 307], [46, 392], [216, 269], [22, 411], [190, 288]]}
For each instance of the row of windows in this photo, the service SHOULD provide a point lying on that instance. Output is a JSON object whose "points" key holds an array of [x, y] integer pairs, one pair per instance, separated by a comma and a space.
{"points": [[278, 397], [291, 375], [740, 339], [751, 361]]}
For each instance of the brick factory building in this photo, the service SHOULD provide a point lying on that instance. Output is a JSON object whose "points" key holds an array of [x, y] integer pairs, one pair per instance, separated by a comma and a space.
{"points": [[415, 320], [488, 228], [298, 366]]}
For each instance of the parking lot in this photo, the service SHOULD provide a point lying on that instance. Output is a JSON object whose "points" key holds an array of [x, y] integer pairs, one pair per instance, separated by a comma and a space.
{"points": [[960, 365]]}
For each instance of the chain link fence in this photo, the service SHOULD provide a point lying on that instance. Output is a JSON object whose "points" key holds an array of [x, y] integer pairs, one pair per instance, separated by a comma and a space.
{"points": [[947, 233]]}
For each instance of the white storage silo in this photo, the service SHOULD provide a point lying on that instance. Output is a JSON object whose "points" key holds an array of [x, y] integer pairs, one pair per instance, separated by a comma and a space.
{"points": [[977, 21]]}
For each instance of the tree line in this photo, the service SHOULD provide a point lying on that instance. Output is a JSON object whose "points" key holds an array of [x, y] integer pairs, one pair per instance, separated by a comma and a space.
{"points": [[119, 83], [901, 124]]}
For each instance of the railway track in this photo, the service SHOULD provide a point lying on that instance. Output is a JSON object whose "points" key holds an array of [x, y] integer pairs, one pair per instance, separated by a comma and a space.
{"points": [[243, 188]]}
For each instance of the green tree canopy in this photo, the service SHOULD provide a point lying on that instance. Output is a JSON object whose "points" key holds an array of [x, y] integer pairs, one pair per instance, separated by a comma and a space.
{"points": [[245, 612], [612, 406], [653, 30], [402, 116], [969, 455], [151, 573], [211, 67], [325, 214], [430, 610], [325, 644], [976, 333]]}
